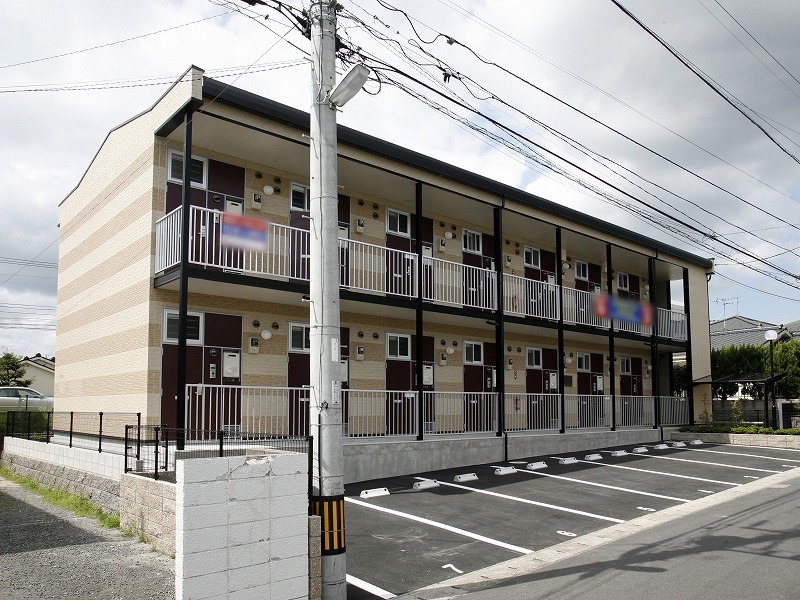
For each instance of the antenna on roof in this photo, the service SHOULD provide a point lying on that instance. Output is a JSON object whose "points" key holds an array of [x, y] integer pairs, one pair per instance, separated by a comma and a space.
{"points": [[725, 302]]}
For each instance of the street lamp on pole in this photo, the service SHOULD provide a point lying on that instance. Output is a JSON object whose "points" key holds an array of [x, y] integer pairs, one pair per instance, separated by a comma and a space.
{"points": [[771, 335]]}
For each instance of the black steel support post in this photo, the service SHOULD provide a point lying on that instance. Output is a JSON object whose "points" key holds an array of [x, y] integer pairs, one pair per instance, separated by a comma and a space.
{"points": [[560, 282], [156, 431], [654, 378], [419, 310], [71, 424], [612, 358], [127, 439], [183, 288], [220, 437], [689, 375], [138, 435], [499, 328], [100, 434]]}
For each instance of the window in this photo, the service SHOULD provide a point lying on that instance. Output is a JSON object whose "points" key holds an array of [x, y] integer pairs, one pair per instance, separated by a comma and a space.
{"points": [[398, 223], [625, 365], [581, 270], [473, 353], [398, 346], [584, 362], [532, 257], [472, 242], [199, 172], [622, 281], [194, 327], [300, 197], [533, 358], [299, 337]]}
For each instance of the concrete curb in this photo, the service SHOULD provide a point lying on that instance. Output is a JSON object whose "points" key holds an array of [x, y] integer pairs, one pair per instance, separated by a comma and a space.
{"points": [[493, 576]]}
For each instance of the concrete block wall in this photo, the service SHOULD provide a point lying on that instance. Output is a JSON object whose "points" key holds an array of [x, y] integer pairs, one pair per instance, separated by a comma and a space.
{"points": [[52, 467], [242, 527], [91, 461], [147, 507], [314, 558]]}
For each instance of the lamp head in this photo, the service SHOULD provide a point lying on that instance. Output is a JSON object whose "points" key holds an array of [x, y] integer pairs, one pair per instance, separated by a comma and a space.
{"points": [[349, 86]]}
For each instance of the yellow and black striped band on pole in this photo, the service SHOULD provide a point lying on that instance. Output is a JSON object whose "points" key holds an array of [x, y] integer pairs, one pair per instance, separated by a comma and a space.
{"points": [[330, 509]]}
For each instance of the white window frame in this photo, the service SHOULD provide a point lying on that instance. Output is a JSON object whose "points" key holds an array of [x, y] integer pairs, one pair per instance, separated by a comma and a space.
{"points": [[398, 230], [530, 263], [582, 265], [307, 192], [586, 359], [396, 337], [172, 177], [625, 365], [306, 337], [533, 358], [472, 241], [171, 312], [626, 286], [469, 353]]}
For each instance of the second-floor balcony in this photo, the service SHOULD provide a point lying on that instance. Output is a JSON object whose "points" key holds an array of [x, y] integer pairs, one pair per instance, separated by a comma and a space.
{"points": [[375, 269]]}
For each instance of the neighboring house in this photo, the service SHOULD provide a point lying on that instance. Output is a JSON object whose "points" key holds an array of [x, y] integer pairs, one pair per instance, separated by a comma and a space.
{"points": [[743, 331], [466, 304], [41, 371], [794, 329]]}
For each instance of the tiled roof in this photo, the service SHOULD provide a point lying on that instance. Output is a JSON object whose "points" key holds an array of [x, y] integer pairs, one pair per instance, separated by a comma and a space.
{"points": [[742, 331]]}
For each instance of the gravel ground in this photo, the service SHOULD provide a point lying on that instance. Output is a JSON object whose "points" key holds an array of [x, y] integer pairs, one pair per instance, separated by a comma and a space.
{"points": [[48, 552]]}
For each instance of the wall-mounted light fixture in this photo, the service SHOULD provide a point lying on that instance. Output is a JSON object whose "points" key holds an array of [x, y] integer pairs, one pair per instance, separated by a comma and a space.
{"points": [[266, 334], [450, 350], [449, 235]]}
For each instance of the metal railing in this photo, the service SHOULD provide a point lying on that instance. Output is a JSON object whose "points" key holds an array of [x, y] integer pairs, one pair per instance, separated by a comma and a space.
{"points": [[385, 413], [672, 325], [152, 450], [374, 268], [530, 298], [586, 411], [631, 327], [533, 412], [578, 308], [100, 431], [168, 240], [674, 410], [255, 409], [460, 412], [635, 411], [447, 282]]}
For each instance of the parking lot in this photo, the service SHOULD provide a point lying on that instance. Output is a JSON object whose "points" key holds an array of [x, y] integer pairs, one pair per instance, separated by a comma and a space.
{"points": [[408, 539]]}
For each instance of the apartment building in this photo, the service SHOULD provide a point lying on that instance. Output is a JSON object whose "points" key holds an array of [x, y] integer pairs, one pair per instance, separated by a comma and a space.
{"points": [[470, 310]]}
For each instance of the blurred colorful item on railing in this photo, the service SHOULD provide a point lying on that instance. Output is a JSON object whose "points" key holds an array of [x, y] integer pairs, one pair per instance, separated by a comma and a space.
{"points": [[243, 232], [622, 309]]}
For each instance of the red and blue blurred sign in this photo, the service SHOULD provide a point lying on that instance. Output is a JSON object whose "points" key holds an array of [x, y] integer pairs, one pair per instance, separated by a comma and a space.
{"points": [[243, 232], [622, 309]]}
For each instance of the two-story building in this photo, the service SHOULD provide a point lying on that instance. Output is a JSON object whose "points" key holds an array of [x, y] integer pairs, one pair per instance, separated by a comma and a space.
{"points": [[473, 315]]}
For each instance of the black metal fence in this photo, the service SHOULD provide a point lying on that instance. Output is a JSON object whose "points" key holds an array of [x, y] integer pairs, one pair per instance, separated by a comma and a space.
{"points": [[152, 451], [100, 431]]}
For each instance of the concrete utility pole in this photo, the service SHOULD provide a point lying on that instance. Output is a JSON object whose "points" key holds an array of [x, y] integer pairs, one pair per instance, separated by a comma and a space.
{"points": [[326, 404]]}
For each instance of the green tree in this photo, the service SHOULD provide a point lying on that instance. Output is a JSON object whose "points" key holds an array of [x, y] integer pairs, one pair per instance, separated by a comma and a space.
{"points": [[737, 361], [12, 372], [680, 382], [787, 360]]}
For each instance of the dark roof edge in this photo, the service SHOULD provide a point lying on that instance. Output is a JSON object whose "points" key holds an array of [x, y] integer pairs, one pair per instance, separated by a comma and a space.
{"points": [[269, 108]]}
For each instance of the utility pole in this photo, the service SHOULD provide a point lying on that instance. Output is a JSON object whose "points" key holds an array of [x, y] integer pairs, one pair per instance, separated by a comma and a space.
{"points": [[326, 405]]}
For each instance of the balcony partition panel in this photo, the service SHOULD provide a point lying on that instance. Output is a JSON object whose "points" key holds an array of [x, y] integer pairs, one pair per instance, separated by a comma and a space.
{"points": [[168, 236], [672, 325]]}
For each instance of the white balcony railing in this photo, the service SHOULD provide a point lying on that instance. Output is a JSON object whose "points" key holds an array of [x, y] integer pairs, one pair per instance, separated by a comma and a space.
{"points": [[578, 307], [168, 241], [256, 410], [672, 325], [674, 410], [630, 327], [533, 412], [446, 282], [529, 298], [377, 269], [586, 411], [635, 411], [460, 412], [373, 413]]}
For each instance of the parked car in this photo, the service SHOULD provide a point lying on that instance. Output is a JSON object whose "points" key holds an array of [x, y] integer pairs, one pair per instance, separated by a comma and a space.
{"points": [[21, 398]]}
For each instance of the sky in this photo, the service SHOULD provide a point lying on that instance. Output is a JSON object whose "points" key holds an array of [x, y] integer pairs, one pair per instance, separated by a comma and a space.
{"points": [[71, 70]]}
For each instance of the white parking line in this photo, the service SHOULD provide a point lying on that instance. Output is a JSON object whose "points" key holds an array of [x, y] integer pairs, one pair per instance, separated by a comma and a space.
{"points": [[603, 485], [533, 502], [450, 528], [368, 587], [795, 460], [702, 462], [597, 464]]}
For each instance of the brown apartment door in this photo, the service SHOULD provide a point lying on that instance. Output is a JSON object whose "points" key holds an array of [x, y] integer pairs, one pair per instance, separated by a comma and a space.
{"points": [[169, 380], [480, 383]]}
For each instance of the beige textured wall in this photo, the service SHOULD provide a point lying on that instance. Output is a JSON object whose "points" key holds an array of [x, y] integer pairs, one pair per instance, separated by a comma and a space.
{"points": [[105, 268]]}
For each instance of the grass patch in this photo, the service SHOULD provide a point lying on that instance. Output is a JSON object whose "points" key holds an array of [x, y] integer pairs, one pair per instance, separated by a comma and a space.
{"points": [[76, 504], [753, 429]]}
